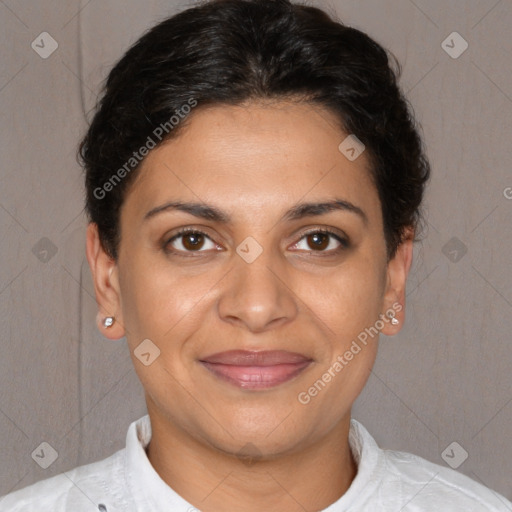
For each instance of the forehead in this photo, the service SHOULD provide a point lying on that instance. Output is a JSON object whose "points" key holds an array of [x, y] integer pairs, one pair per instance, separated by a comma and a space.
{"points": [[260, 156]]}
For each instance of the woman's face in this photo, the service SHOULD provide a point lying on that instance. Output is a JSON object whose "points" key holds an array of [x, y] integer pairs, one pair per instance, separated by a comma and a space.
{"points": [[260, 276]]}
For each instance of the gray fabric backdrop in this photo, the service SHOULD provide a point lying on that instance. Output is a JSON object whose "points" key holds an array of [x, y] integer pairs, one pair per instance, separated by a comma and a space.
{"points": [[445, 378]]}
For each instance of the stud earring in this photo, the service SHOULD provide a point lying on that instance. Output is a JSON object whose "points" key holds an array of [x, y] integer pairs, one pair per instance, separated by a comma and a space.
{"points": [[395, 321], [108, 321]]}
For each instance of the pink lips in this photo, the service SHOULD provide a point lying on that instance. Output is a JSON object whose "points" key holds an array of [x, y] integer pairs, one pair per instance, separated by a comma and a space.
{"points": [[256, 370]]}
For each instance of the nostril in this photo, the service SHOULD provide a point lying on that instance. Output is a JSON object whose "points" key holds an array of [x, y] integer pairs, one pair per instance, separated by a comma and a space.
{"points": [[102, 508]]}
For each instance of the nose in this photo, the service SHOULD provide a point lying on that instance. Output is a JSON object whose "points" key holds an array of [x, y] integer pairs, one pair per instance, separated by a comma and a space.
{"points": [[257, 296]]}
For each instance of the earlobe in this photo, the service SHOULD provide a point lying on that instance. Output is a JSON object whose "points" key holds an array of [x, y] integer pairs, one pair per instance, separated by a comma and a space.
{"points": [[394, 297], [106, 285]]}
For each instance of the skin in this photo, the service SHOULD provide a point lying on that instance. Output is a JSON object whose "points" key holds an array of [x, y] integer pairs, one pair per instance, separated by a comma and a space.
{"points": [[254, 162]]}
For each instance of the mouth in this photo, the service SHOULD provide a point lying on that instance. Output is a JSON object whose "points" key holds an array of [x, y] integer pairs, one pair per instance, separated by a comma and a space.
{"points": [[256, 369]]}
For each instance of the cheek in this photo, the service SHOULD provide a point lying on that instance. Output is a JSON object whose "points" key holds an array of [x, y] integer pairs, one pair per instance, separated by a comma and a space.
{"points": [[347, 300], [159, 300], [349, 303]]}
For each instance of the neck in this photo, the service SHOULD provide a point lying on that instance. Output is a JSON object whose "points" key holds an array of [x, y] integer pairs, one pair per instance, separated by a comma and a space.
{"points": [[212, 480]]}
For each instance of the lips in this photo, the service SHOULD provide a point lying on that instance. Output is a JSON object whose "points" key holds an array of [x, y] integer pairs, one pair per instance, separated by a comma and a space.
{"points": [[256, 369]]}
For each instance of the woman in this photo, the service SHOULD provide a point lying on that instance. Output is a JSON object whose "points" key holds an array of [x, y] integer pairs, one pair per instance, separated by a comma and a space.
{"points": [[254, 179]]}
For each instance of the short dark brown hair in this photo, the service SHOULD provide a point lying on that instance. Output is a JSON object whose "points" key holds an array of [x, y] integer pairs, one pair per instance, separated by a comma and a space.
{"points": [[231, 51]]}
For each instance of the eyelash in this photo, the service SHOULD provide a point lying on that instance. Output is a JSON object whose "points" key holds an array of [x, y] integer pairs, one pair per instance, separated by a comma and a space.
{"points": [[344, 243]]}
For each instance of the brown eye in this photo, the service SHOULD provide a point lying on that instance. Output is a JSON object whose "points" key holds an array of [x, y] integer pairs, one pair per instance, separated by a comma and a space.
{"points": [[322, 241], [193, 241], [318, 241], [189, 241]]}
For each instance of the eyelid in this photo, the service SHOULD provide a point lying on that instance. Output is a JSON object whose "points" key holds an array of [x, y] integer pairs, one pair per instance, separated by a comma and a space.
{"points": [[338, 235], [182, 232]]}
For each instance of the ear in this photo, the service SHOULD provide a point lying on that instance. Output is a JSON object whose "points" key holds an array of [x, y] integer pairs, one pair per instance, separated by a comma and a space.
{"points": [[394, 296], [106, 284]]}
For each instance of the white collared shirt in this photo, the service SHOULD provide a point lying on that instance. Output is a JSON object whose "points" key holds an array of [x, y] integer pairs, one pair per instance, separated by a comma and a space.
{"points": [[386, 481]]}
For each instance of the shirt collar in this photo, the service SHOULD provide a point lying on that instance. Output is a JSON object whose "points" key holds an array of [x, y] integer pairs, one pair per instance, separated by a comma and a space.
{"points": [[148, 490]]}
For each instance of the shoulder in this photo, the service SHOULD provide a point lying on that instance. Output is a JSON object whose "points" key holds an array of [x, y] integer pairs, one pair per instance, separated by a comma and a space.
{"points": [[393, 480], [429, 486], [81, 490]]}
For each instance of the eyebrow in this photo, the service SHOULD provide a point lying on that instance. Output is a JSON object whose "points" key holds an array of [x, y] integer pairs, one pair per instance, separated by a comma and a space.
{"points": [[299, 211]]}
